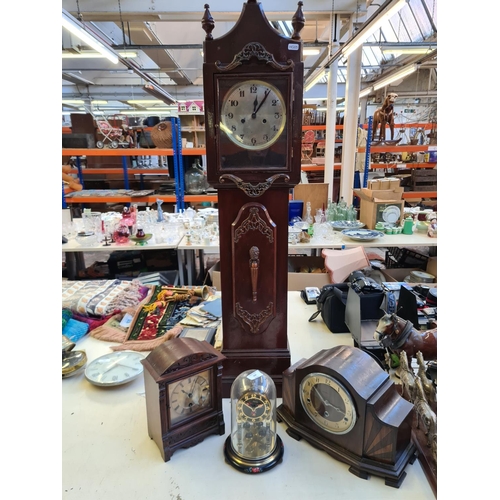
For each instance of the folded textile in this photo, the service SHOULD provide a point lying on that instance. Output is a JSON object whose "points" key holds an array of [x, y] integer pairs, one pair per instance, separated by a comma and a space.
{"points": [[75, 330], [99, 298]]}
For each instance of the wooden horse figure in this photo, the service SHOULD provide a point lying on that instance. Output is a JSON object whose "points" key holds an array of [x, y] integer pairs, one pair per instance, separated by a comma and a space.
{"points": [[397, 334], [430, 390], [384, 116], [407, 378], [425, 414]]}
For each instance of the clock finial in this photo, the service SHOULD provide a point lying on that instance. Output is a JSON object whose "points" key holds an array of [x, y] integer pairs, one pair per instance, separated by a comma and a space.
{"points": [[298, 21], [208, 23]]}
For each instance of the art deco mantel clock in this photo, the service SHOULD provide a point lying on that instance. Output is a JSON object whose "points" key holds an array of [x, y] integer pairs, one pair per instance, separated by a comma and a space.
{"points": [[253, 87], [182, 378], [342, 402]]}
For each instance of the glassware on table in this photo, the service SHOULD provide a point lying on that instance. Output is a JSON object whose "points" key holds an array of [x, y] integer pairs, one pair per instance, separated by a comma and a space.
{"points": [[92, 223], [121, 234]]}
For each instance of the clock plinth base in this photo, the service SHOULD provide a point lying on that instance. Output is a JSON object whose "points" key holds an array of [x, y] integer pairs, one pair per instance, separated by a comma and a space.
{"points": [[273, 363], [254, 466], [360, 466]]}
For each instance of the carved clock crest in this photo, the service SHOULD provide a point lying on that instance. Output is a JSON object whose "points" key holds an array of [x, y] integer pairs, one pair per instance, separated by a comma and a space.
{"points": [[253, 78]]}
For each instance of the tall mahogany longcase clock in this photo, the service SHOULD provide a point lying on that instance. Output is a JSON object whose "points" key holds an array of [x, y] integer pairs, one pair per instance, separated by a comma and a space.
{"points": [[253, 87]]}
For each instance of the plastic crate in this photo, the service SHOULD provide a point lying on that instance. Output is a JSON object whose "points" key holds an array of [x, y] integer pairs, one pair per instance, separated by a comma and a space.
{"points": [[404, 257]]}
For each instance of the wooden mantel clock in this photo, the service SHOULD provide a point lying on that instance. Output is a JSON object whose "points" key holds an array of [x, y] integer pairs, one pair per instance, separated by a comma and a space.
{"points": [[342, 402], [182, 378], [253, 87]]}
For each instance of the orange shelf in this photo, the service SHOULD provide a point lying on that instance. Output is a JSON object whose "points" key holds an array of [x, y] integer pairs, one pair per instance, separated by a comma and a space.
{"points": [[130, 152], [318, 168], [119, 171], [190, 198], [408, 148], [402, 165], [419, 194], [425, 126]]}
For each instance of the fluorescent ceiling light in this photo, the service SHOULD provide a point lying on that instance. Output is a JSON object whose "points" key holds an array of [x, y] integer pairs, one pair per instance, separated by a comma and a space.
{"points": [[78, 29], [76, 79], [88, 54], [319, 75], [73, 101], [310, 52], [159, 93], [365, 92], [360, 37], [401, 49], [405, 71]]}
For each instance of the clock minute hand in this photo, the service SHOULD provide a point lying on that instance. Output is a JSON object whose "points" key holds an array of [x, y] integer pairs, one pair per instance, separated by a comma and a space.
{"points": [[254, 114]]}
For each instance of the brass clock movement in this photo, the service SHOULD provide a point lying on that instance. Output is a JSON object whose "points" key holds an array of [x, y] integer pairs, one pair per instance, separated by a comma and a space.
{"points": [[341, 401], [253, 445], [253, 87], [183, 393]]}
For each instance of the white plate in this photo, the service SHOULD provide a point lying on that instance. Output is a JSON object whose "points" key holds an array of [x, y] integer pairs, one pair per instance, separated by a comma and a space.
{"points": [[391, 214], [339, 225], [362, 234]]}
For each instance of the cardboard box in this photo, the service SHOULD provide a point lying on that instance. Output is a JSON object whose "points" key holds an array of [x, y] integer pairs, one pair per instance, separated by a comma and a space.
{"points": [[371, 212], [296, 279], [395, 182], [316, 193], [400, 273], [214, 273], [384, 184], [432, 267], [395, 194]]}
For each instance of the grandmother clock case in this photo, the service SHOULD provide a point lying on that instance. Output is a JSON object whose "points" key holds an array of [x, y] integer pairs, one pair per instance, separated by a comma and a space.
{"points": [[253, 86]]}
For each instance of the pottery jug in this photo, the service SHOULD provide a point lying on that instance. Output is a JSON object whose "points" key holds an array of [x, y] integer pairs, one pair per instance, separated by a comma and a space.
{"points": [[408, 226]]}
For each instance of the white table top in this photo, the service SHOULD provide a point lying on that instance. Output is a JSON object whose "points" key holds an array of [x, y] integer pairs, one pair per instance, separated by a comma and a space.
{"points": [[74, 246], [388, 240], [107, 453]]}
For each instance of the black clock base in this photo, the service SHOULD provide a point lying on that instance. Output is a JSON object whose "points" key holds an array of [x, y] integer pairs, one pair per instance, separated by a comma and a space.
{"points": [[361, 467], [254, 466]]}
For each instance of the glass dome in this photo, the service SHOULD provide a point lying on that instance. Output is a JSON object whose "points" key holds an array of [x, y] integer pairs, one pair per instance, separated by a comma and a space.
{"points": [[253, 445]]}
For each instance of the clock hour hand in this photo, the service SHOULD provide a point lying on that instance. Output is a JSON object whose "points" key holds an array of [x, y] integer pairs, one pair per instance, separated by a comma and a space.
{"points": [[266, 93], [255, 104], [327, 403]]}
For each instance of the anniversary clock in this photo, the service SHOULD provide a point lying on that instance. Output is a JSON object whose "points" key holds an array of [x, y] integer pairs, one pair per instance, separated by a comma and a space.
{"points": [[341, 401], [253, 445], [253, 87], [182, 378]]}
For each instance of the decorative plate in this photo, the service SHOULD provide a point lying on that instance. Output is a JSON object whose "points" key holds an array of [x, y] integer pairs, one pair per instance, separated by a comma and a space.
{"points": [[391, 214], [362, 234], [339, 225]]}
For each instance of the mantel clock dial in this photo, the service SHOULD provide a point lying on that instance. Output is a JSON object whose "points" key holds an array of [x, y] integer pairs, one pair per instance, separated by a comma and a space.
{"points": [[253, 114], [189, 396], [328, 403], [341, 401]]}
